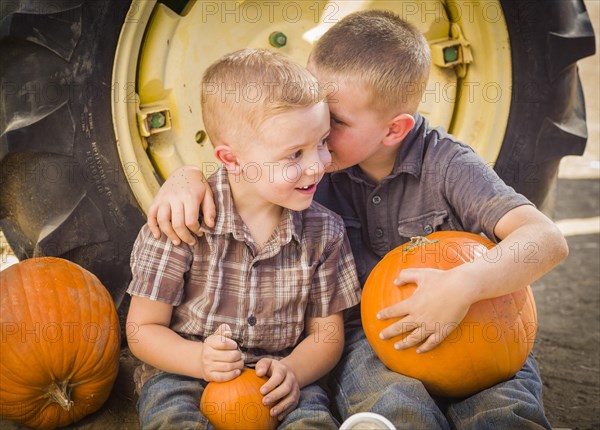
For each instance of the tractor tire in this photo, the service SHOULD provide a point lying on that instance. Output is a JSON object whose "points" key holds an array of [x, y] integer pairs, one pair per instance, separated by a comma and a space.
{"points": [[547, 113], [65, 193]]}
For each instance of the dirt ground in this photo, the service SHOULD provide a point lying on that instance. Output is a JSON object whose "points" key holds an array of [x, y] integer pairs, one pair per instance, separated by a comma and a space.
{"points": [[568, 299]]}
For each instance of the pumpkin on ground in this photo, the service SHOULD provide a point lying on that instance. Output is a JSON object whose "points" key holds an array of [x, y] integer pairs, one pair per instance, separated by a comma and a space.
{"points": [[490, 344], [60, 342], [237, 404]]}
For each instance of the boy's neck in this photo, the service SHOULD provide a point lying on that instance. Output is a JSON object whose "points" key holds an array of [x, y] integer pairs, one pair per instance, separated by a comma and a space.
{"points": [[380, 164], [261, 218]]}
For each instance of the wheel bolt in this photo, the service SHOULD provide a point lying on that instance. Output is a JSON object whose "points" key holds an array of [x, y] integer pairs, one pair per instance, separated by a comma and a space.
{"points": [[157, 120], [450, 54], [277, 39]]}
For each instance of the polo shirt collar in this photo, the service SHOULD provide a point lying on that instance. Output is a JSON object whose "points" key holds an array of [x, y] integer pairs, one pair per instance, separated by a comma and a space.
{"points": [[410, 157], [228, 220]]}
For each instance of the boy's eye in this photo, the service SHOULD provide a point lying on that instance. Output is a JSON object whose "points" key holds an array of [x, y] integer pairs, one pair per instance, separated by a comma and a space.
{"points": [[336, 121], [295, 155]]}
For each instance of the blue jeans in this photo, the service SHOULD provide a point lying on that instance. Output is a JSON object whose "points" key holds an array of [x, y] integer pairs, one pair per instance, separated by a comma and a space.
{"points": [[361, 383], [169, 401]]}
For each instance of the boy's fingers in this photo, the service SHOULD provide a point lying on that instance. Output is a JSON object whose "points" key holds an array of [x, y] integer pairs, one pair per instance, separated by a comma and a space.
{"points": [[223, 376], [278, 394], [228, 365], [226, 355], [208, 208], [223, 330], [222, 343], [398, 328], [164, 222], [283, 409], [432, 341], [262, 366], [397, 310], [179, 222], [407, 276], [152, 222], [277, 376], [220, 339], [416, 337], [184, 234], [192, 223]]}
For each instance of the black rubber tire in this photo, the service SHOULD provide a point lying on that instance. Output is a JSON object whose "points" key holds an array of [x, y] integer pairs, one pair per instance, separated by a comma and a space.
{"points": [[547, 112], [64, 193]]}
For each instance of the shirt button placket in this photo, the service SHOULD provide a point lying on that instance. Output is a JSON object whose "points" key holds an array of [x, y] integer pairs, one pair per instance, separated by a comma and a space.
{"points": [[376, 200]]}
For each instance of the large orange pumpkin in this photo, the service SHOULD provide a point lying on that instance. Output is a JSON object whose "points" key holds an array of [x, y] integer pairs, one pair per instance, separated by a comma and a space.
{"points": [[489, 346], [237, 404], [60, 342]]}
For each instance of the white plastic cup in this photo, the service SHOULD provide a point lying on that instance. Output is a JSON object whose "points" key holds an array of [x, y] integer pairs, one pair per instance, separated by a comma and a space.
{"points": [[367, 421]]}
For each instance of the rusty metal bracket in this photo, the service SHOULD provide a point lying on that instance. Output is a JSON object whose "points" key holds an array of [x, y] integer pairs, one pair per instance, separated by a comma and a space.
{"points": [[153, 119], [455, 52]]}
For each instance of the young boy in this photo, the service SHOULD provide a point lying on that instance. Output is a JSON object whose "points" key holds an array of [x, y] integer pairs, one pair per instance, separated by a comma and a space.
{"points": [[266, 284], [395, 178]]}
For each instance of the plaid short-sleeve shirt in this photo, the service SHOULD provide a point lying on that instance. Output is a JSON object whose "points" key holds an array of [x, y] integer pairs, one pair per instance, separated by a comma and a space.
{"points": [[306, 269]]}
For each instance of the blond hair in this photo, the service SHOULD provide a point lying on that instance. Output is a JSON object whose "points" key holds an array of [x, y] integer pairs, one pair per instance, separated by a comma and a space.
{"points": [[380, 50], [243, 88]]}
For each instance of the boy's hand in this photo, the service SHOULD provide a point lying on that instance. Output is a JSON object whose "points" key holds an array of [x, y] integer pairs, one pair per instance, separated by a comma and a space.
{"points": [[176, 208], [437, 306], [221, 360], [281, 390]]}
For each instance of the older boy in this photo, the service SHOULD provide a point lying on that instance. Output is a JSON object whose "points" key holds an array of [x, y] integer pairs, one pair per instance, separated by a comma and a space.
{"points": [[396, 178], [268, 283]]}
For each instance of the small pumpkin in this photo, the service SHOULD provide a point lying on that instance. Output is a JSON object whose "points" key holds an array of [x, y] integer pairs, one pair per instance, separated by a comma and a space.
{"points": [[237, 404], [490, 344], [60, 343]]}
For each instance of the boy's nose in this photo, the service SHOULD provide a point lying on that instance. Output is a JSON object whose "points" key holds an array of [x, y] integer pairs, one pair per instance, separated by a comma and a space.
{"points": [[315, 167]]}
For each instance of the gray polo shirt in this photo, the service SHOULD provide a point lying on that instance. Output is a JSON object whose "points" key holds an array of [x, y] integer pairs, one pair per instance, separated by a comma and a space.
{"points": [[437, 183]]}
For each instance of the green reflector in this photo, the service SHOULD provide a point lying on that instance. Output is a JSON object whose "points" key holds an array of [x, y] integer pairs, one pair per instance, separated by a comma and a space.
{"points": [[450, 54]]}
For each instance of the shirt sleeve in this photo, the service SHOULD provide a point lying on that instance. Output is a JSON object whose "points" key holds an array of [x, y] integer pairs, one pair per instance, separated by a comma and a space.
{"points": [[477, 194], [158, 268], [335, 283]]}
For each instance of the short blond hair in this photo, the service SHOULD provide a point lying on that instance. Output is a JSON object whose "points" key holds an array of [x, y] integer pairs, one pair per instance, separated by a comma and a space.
{"points": [[380, 50], [245, 87]]}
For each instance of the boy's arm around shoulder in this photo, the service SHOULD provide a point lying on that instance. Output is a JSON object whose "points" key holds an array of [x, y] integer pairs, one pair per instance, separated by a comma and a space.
{"points": [[177, 206]]}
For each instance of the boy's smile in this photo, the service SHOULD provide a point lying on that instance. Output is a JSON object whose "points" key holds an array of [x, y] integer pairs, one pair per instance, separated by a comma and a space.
{"points": [[307, 189]]}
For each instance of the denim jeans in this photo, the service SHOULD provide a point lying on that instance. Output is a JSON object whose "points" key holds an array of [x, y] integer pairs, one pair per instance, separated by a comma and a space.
{"points": [[169, 401], [361, 383]]}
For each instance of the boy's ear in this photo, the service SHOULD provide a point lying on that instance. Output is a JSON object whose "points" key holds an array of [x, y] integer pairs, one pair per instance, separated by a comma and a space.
{"points": [[398, 128], [225, 155]]}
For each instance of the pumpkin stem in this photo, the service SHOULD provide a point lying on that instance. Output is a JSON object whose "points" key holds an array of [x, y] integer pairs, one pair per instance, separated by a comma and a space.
{"points": [[418, 241], [59, 394]]}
